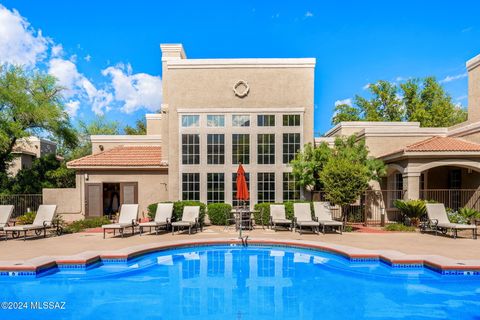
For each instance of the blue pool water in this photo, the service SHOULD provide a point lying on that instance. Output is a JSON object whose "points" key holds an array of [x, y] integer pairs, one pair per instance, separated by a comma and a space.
{"points": [[231, 282]]}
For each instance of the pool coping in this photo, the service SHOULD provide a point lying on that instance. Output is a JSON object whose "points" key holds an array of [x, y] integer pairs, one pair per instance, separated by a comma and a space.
{"points": [[396, 259]]}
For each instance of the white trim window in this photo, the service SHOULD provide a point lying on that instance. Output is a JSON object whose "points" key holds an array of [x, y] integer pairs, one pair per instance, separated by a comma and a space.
{"points": [[215, 149], [240, 148], [215, 120], [190, 149], [191, 186], [240, 120], [291, 120], [189, 121], [215, 187], [266, 120], [266, 187], [291, 191], [266, 148], [291, 145]]}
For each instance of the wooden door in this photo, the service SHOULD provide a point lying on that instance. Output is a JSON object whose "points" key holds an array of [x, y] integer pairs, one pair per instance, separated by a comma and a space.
{"points": [[93, 199], [129, 193]]}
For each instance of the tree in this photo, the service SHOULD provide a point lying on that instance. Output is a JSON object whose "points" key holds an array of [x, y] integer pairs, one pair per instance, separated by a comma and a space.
{"points": [[139, 129], [30, 103], [422, 100], [348, 171], [99, 125], [308, 163], [46, 172]]}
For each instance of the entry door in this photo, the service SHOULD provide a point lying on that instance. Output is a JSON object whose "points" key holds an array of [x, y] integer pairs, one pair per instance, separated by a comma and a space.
{"points": [[129, 193], [93, 200]]}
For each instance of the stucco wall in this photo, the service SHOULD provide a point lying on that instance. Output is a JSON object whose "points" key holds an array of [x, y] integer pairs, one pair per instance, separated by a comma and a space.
{"points": [[474, 90], [212, 87], [379, 146], [152, 185], [67, 201]]}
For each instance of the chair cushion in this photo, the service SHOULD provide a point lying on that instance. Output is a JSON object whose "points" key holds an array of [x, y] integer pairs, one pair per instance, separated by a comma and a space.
{"points": [[308, 223], [456, 226], [182, 223], [116, 225], [280, 221], [152, 224], [330, 223], [23, 227]]}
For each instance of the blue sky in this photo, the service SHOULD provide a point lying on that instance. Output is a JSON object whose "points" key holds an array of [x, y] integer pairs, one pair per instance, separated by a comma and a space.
{"points": [[107, 52]]}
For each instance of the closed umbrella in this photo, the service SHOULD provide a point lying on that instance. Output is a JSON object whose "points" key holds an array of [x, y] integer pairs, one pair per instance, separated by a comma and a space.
{"points": [[242, 188]]}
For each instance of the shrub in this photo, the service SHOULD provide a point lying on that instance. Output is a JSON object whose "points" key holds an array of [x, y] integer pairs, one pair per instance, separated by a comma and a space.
{"points": [[469, 214], [152, 210], [456, 217], [178, 209], [218, 213], [399, 227], [80, 225], [27, 218], [412, 209]]}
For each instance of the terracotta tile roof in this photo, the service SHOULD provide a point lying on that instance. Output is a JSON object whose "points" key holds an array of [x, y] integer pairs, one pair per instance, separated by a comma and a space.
{"points": [[443, 144], [123, 156], [439, 144]]}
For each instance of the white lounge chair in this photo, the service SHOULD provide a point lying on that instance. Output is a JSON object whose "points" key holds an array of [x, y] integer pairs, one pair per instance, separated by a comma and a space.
{"points": [[5, 215], [128, 219], [189, 219], [323, 214], [303, 217], [278, 216], [163, 218], [438, 219], [44, 219]]}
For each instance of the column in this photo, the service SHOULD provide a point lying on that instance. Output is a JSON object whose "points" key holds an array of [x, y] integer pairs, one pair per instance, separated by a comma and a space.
{"points": [[411, 183]]}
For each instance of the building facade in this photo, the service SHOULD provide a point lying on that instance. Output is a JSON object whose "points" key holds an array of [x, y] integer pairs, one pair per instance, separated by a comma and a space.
{"points": [[26, 150], [216, 114]]}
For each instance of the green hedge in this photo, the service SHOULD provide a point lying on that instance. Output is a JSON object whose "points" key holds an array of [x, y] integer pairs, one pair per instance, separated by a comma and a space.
{"points": [[87, 223], [266, 211], [178, 209], [218, 213], [27, 218]]}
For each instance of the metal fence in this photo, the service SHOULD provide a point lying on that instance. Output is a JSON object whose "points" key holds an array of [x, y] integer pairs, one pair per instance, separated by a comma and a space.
{"points": [[453, 198], [22, 202], [375, 207]]}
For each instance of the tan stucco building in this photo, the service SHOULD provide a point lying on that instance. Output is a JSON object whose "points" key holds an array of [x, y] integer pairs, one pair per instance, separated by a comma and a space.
{"points": [[441, 164], [216, 113], [26, 150]]}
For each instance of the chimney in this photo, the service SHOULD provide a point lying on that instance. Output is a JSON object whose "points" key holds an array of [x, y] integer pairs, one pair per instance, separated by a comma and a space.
{"points": [[473, 68]]}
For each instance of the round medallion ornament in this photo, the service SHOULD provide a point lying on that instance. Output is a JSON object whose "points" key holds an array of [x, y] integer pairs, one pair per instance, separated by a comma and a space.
{"points": [[241, 89]]}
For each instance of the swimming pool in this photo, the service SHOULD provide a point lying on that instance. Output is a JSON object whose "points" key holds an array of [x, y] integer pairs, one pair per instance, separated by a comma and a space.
{"points": [[234, 282]]}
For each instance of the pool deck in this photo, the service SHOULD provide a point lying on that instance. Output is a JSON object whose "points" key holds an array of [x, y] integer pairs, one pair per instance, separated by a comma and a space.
{"points": [[439, 252]]}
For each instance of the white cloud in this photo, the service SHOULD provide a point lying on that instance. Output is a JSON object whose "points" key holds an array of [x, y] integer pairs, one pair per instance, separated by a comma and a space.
{"points": [[453, 78], [72, 107], [344, 101], [308, 14], [461, 98], [135, 91], [468, 29], [20, 44], [88, 58], [57, 50], [365, 87]]}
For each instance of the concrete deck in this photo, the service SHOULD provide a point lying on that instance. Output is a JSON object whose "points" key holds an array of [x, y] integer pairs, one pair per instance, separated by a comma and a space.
{"points": [[16, 250]]}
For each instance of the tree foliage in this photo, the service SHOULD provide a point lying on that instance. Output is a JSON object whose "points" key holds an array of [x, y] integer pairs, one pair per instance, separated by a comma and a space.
{"points": [[139, 129], [422, 100], [30, 103], [308, 164]]}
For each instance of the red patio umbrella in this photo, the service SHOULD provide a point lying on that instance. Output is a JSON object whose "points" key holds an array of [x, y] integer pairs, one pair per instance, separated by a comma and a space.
{"points": [[242, 188]]}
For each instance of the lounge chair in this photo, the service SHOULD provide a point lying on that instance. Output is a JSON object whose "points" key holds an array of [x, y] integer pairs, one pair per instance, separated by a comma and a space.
{"points": [[438, 221], [303, 217], [278, 217], [5, 215], [128, 219], [44, 219], [163, 218], [189, 219], [323, 214]]}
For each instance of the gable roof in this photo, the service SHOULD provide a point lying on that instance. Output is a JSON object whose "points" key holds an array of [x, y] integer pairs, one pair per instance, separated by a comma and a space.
{"points": [[438, 144], [126, 156]]}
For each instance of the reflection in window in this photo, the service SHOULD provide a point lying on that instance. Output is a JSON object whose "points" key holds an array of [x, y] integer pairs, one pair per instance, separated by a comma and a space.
{"points": [[190, 121], [215, 187], [190, 301], [291, 191], [266, 187], [215, 301], [240, 148], [266, 120], [265, 300], [291, 145], [241, 120], [191, 186], [215, 149], [266, 148], [215, 263], [215, 120], [291, 120], [190, 149]]}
